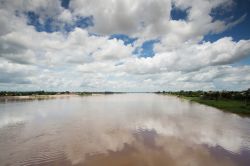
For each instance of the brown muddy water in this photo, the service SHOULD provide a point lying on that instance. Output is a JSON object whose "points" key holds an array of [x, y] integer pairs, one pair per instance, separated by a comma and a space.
{"points": [[121, 130]]}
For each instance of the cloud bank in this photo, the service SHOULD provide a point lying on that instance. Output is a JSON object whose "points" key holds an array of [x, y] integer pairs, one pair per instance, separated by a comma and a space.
{"points": [[50, 45]]}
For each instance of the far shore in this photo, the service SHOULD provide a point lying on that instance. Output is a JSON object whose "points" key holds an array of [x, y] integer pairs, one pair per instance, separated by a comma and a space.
{"points": [[34, 97]]}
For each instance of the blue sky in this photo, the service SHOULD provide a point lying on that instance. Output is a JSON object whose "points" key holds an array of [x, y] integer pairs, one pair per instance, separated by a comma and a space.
{"points": [[65, 3], [241, 30], [238, 32], [128, 45]]}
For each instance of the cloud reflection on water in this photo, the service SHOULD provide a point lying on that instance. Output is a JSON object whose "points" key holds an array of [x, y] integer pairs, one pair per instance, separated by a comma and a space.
{"points": [[144, 129]]}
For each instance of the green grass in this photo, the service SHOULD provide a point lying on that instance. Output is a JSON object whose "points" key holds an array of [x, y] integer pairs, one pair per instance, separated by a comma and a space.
{"points": [[234, 106]]}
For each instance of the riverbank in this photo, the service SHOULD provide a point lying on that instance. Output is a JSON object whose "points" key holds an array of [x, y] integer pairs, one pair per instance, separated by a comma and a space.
{"points": [[33, 97], [36, 96], [234, 106]]}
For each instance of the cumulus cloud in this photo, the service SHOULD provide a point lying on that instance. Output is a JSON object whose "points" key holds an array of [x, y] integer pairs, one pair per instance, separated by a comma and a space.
{"points": [[189, 56], [72, 49]]}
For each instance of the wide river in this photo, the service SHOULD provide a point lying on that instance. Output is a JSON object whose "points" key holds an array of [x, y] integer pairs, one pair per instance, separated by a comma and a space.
{"points": [[121, 129]]}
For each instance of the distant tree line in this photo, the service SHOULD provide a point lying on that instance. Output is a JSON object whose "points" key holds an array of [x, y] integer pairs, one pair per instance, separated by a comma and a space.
{"points": [[29, 93], [214, 95], [90, 93], [83, 93]]}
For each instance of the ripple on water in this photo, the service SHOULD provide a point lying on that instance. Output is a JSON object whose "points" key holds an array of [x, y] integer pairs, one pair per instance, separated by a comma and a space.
{"points": [[136, 129]]}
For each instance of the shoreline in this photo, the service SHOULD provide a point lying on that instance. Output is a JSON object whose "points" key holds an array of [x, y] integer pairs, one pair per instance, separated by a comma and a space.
{"points": [[34, 97], [231, 106], [9, 98]]}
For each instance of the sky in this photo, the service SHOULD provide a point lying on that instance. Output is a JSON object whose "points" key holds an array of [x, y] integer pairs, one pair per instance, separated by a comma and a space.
{"points": [[124, 45]]}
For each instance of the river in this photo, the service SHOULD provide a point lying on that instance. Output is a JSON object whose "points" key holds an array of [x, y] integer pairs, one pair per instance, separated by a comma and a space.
{"points": [[121, 129]]}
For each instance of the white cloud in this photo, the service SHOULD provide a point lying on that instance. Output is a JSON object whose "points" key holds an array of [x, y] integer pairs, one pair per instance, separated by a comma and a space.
{"points": [[65, 16], [190, 56], [78, 60]]}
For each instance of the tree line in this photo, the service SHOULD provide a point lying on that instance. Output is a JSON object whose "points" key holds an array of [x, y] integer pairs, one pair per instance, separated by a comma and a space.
{"points": [[214, 95], [28, 93]]}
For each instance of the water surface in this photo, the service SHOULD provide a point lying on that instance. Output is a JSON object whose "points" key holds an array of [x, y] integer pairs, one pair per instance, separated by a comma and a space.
{"points": [[121, 129]]}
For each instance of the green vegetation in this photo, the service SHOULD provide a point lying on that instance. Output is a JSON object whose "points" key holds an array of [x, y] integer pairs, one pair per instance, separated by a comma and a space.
{"points": [[38, 93], [231, 101], [84, 93], [30, 93], [234, 106]]}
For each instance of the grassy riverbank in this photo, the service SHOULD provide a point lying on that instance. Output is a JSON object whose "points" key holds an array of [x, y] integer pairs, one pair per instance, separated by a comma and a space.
{"points": [[234, 106], [231, 101]]}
